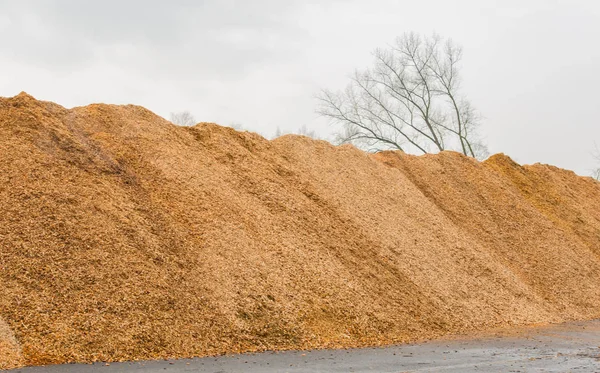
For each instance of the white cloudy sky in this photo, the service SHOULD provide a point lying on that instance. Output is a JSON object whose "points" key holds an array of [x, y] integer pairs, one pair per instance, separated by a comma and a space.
{"points": [[532, 67]]}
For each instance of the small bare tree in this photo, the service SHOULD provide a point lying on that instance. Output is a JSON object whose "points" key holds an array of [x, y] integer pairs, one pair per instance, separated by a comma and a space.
{"points": [[305, 131], [278, 133], [236, 126], [409, 100], [183, 118]]}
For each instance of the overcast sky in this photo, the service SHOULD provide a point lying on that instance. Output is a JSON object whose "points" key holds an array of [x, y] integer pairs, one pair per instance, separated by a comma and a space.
{"points": [[531, 67]]}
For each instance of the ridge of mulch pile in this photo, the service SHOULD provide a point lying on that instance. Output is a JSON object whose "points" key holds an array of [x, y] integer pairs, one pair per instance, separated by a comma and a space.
{"points": [[125, 237]]}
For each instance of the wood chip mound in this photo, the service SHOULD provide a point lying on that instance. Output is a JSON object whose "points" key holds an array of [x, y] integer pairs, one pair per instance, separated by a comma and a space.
{"points": [[125, 237]]}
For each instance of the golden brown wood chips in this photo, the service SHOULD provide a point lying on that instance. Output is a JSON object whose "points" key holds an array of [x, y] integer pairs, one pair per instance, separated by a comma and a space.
{"points": [[124, 237]]}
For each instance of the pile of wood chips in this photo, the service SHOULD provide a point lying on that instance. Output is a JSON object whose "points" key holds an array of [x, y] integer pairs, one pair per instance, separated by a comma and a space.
{"points": [[125, 237]]}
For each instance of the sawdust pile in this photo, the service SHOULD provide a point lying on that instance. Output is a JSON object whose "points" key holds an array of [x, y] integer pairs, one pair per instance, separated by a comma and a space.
{"points": [[124, 237]]}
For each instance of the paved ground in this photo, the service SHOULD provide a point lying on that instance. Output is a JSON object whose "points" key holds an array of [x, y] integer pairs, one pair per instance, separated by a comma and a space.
{"points": [[573, 347]]}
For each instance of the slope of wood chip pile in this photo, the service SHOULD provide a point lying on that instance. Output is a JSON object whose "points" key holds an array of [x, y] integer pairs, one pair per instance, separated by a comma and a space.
{"points": [[124, 237], [10, 351]]}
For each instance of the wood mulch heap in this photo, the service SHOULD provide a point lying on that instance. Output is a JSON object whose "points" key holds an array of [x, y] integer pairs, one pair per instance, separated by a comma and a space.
{"points": [[124, 237]]}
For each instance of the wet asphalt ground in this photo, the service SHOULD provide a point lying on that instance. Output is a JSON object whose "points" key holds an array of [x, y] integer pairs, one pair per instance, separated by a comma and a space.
{"points": [[572, 347]]}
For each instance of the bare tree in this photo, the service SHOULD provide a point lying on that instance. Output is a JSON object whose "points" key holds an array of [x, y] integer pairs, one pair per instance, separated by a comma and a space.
{"points": [[236, 126], [409, 100], [183, 118], [278, 133], [304, 131]]}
